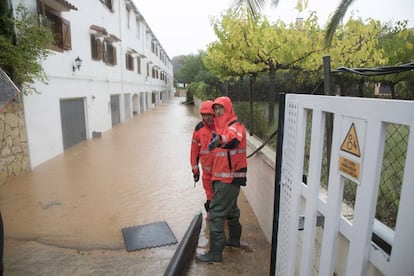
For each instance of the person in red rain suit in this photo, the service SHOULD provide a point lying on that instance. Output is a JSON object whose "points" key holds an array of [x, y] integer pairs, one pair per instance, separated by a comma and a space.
{"points": [[199, 150], [228, 174]]}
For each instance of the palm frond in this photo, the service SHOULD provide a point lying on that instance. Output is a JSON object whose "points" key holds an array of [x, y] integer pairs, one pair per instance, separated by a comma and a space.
{"points": [[254, 7], [335, 19]]}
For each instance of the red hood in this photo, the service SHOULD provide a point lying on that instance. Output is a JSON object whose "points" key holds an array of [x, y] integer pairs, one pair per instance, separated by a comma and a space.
{"points": [[228, 116], [207, 107]]}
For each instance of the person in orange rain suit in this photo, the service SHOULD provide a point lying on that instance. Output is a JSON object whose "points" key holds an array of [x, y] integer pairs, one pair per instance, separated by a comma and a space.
{"points": [[199, 149], [228, 174]]}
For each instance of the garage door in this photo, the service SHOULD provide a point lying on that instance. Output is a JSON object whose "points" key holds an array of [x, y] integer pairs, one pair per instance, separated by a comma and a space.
{"points": [[72, 114]]}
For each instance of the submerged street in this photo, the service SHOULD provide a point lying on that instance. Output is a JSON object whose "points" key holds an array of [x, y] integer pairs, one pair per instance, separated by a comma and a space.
{"points": [[65, 217]]}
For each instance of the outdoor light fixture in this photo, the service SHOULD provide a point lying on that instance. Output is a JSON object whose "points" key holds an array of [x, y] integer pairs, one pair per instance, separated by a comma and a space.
{"points": [[77, 64]]}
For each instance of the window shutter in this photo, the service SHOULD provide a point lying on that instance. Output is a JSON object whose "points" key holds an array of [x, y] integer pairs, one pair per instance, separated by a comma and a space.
{"points": [[131, 62], [66, 36], [114, 61], [98, 47], [94, 49]]}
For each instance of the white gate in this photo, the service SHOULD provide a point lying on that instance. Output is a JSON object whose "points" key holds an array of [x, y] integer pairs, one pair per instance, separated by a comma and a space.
{"points": [[342, 245]]}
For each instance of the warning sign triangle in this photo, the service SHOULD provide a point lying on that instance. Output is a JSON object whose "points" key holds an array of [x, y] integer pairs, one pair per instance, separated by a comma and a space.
{"points": [[350, 143]]}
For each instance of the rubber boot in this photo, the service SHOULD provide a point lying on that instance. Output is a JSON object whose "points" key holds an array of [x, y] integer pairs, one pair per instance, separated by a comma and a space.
{"points": [[214, 255], [234, 235]]}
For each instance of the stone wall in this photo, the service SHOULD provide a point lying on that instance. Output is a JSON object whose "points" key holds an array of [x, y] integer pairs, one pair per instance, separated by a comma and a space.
{"points": [[14, 152]]}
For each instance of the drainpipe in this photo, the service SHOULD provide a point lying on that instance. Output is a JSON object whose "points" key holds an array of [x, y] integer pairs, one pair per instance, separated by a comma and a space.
{"points": [[121, 101]]}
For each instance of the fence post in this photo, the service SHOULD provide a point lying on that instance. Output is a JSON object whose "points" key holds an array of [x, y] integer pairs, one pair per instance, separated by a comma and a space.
{"points": [[327, 75], [278, 172], [329, 118]]}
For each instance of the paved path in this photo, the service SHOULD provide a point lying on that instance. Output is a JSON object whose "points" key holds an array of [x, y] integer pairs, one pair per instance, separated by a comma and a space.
{"points": [[65, 217]]}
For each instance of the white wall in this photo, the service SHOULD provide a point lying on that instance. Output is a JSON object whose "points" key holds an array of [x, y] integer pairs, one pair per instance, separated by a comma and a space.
{"points": [[95, 81]]}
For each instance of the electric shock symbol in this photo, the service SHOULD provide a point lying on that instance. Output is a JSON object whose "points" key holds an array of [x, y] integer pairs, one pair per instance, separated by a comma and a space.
{"points": [[350, 143]]}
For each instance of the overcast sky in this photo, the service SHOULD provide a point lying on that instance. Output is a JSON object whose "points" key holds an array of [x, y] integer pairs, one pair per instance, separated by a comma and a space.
{"points": [[183, 26]]}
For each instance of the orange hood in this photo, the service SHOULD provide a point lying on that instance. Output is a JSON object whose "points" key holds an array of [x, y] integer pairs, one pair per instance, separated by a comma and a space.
{"points": [[207, 107], [228, 116]]}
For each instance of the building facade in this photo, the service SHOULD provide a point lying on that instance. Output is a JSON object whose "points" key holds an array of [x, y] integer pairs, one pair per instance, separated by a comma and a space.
{"points": [[106, 66]]}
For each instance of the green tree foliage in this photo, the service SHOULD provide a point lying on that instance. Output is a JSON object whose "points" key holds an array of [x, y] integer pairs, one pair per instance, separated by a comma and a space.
{"points": [[255, 8], [177, 63], [200, 81], [228, 56], [355, 45], [247, 46], [397, 44], [23, 45], [192, 69]]}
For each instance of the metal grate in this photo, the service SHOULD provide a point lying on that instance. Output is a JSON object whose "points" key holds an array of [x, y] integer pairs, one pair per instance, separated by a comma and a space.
{"points": [[8, 91]]}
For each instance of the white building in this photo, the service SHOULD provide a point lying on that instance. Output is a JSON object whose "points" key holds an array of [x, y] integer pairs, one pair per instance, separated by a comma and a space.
{"points": [[124, 71]]}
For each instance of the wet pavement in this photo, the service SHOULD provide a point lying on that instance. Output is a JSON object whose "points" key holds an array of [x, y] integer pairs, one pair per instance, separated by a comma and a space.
{"points": [[65, 217]]}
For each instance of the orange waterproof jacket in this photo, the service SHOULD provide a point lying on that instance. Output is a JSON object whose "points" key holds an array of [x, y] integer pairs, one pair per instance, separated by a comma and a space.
{"points": [[199, 144], [230, 160]]}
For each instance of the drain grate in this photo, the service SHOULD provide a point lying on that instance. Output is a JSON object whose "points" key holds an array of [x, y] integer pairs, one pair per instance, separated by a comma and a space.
{"points": [[148, 236]]}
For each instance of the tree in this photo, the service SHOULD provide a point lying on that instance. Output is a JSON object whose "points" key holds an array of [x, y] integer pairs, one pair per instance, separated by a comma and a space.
{"points": [[397, 43], [255, 7], [355, 45], [227, 57], [23, 45], [251, 46], [177, 63]]}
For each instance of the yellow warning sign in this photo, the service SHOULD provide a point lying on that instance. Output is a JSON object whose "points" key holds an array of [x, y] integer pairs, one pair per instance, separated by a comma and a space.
{"points": [[350, 143], [349, 167]]}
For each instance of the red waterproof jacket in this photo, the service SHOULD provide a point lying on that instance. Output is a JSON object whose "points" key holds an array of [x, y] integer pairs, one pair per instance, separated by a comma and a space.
{"points": [[199, 144], [230, 160]]}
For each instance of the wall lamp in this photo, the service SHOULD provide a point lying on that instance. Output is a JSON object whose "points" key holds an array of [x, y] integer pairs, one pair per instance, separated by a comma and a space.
{"points": [[77, 64]]}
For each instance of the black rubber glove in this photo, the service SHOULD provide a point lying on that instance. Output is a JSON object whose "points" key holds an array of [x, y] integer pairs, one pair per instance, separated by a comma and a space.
{"points": [[196, 177], [215, 141]]}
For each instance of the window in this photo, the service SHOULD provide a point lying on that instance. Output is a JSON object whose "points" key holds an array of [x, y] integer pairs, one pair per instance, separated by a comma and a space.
{"points": [[153, 47], [102, 45], [59, 26], [96, 48], [129, 62], [61, 31], [109, 53], [148, 69]]}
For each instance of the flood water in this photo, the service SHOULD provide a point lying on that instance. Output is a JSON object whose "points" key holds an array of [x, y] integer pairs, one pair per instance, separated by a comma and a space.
{"points": [[65, 217]]}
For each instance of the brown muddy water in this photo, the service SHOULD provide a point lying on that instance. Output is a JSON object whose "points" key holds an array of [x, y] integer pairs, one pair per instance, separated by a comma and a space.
{"points": [[65, 217]]}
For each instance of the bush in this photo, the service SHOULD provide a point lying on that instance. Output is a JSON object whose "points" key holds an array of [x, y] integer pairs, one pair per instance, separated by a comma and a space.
{"points": [[259, 127]]}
